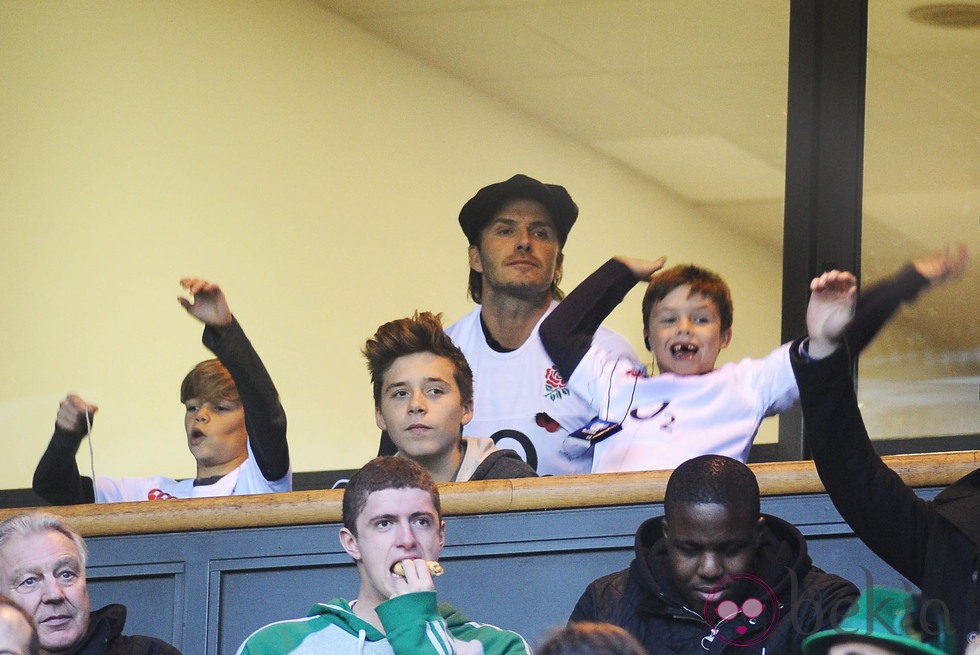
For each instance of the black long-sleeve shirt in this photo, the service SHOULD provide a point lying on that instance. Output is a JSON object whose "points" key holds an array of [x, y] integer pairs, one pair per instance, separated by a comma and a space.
{"points": [[58, 480]]}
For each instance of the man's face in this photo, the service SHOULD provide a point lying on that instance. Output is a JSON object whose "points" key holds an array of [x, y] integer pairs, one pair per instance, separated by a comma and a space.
{"points": [[15, 632], [708, 544], [395, 525], [216, 433], [421, 407], [518, 253], [42, 572], [684, 333]]}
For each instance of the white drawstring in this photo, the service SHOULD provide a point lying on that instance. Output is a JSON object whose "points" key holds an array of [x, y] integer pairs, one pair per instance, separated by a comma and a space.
{"points": [[91, 454]]}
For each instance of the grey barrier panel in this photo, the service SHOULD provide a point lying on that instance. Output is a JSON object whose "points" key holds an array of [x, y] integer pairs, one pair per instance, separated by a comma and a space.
{"points": [[205, 592]]}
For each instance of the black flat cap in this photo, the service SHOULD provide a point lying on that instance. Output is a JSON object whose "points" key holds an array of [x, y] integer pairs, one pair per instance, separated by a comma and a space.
{"points": [[479, 209]]}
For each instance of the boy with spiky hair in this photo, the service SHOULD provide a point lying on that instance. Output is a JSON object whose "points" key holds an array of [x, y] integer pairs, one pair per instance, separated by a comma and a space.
{"points": [[423, 396], [393, 530]]}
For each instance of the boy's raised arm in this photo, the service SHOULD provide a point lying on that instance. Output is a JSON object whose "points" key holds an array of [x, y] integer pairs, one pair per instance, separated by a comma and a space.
{"points": [[567, 332], [879, 301], [265, 419]]}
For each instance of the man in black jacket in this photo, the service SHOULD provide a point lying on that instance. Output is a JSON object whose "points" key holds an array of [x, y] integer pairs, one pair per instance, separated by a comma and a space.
{"points": [[713, 575], [42, 568]]}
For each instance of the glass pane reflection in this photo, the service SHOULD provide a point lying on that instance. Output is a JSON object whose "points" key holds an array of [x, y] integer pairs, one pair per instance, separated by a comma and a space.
{"points": [[921, 190]]}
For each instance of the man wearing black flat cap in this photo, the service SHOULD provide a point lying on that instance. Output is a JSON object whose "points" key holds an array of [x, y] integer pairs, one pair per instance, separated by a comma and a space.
{"points": [[516, 231]]}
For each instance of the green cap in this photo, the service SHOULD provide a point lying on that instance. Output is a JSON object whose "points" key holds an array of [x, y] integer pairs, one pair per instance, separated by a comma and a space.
{"points": [[890, 617]]}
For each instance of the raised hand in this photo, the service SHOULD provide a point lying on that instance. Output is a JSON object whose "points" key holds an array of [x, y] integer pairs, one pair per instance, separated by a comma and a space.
{"points": [[71, 414], [208, 304], [944, 264], [832, 299], [642, 268]]}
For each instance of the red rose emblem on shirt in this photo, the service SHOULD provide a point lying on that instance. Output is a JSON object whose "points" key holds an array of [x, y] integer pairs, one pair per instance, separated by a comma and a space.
{"points": [[158, 494], [554, 385]]}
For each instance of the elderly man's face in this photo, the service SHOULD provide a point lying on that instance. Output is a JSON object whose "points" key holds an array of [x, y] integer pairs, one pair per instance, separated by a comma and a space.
{"points": [[42, 572]]}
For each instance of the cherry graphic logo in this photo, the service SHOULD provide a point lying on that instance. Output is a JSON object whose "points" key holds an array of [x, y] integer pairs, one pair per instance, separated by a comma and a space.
{"points": [[751, 608], [747, 624]]}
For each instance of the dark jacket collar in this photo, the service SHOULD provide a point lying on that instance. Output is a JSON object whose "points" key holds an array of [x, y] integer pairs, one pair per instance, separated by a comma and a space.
{"points": [[104, 626]]}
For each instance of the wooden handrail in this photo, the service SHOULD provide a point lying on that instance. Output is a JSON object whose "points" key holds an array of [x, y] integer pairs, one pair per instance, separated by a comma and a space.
{"points": [[461, 498]]}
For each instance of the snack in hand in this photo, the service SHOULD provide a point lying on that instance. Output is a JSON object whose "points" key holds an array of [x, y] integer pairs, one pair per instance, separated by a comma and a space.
{"points": [[435, 568]]}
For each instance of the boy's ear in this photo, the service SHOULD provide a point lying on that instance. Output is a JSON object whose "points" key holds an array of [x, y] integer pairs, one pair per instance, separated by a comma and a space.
{"points": [[379, 420], [467, 412], [646, 339], [349, 543], [726, 338]]}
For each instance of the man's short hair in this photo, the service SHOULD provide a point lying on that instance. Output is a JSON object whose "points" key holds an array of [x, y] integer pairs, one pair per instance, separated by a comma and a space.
{"points": [[209, 381], [30, 523], [702, 281], [385, 473], [422, 333], [713, 479], [34, 645]]}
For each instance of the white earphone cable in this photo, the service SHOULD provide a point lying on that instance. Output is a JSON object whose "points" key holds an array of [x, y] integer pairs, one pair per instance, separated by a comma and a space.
{"points": [[91, 454]]}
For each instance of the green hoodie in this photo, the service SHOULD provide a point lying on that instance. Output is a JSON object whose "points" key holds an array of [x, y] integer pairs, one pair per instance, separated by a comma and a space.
{"points": [[413, 622]]}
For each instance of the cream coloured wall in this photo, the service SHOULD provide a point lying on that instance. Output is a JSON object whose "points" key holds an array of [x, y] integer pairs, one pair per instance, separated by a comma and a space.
{"points": [[312, 170]]}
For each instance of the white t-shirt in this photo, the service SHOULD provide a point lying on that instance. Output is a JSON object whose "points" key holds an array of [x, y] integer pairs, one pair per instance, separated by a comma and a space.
{"points": [[668, 418], [521, 402], [246, 479]]}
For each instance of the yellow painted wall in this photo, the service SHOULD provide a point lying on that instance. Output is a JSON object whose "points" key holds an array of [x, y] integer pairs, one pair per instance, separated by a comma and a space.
{"points": [[312, 170]]}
